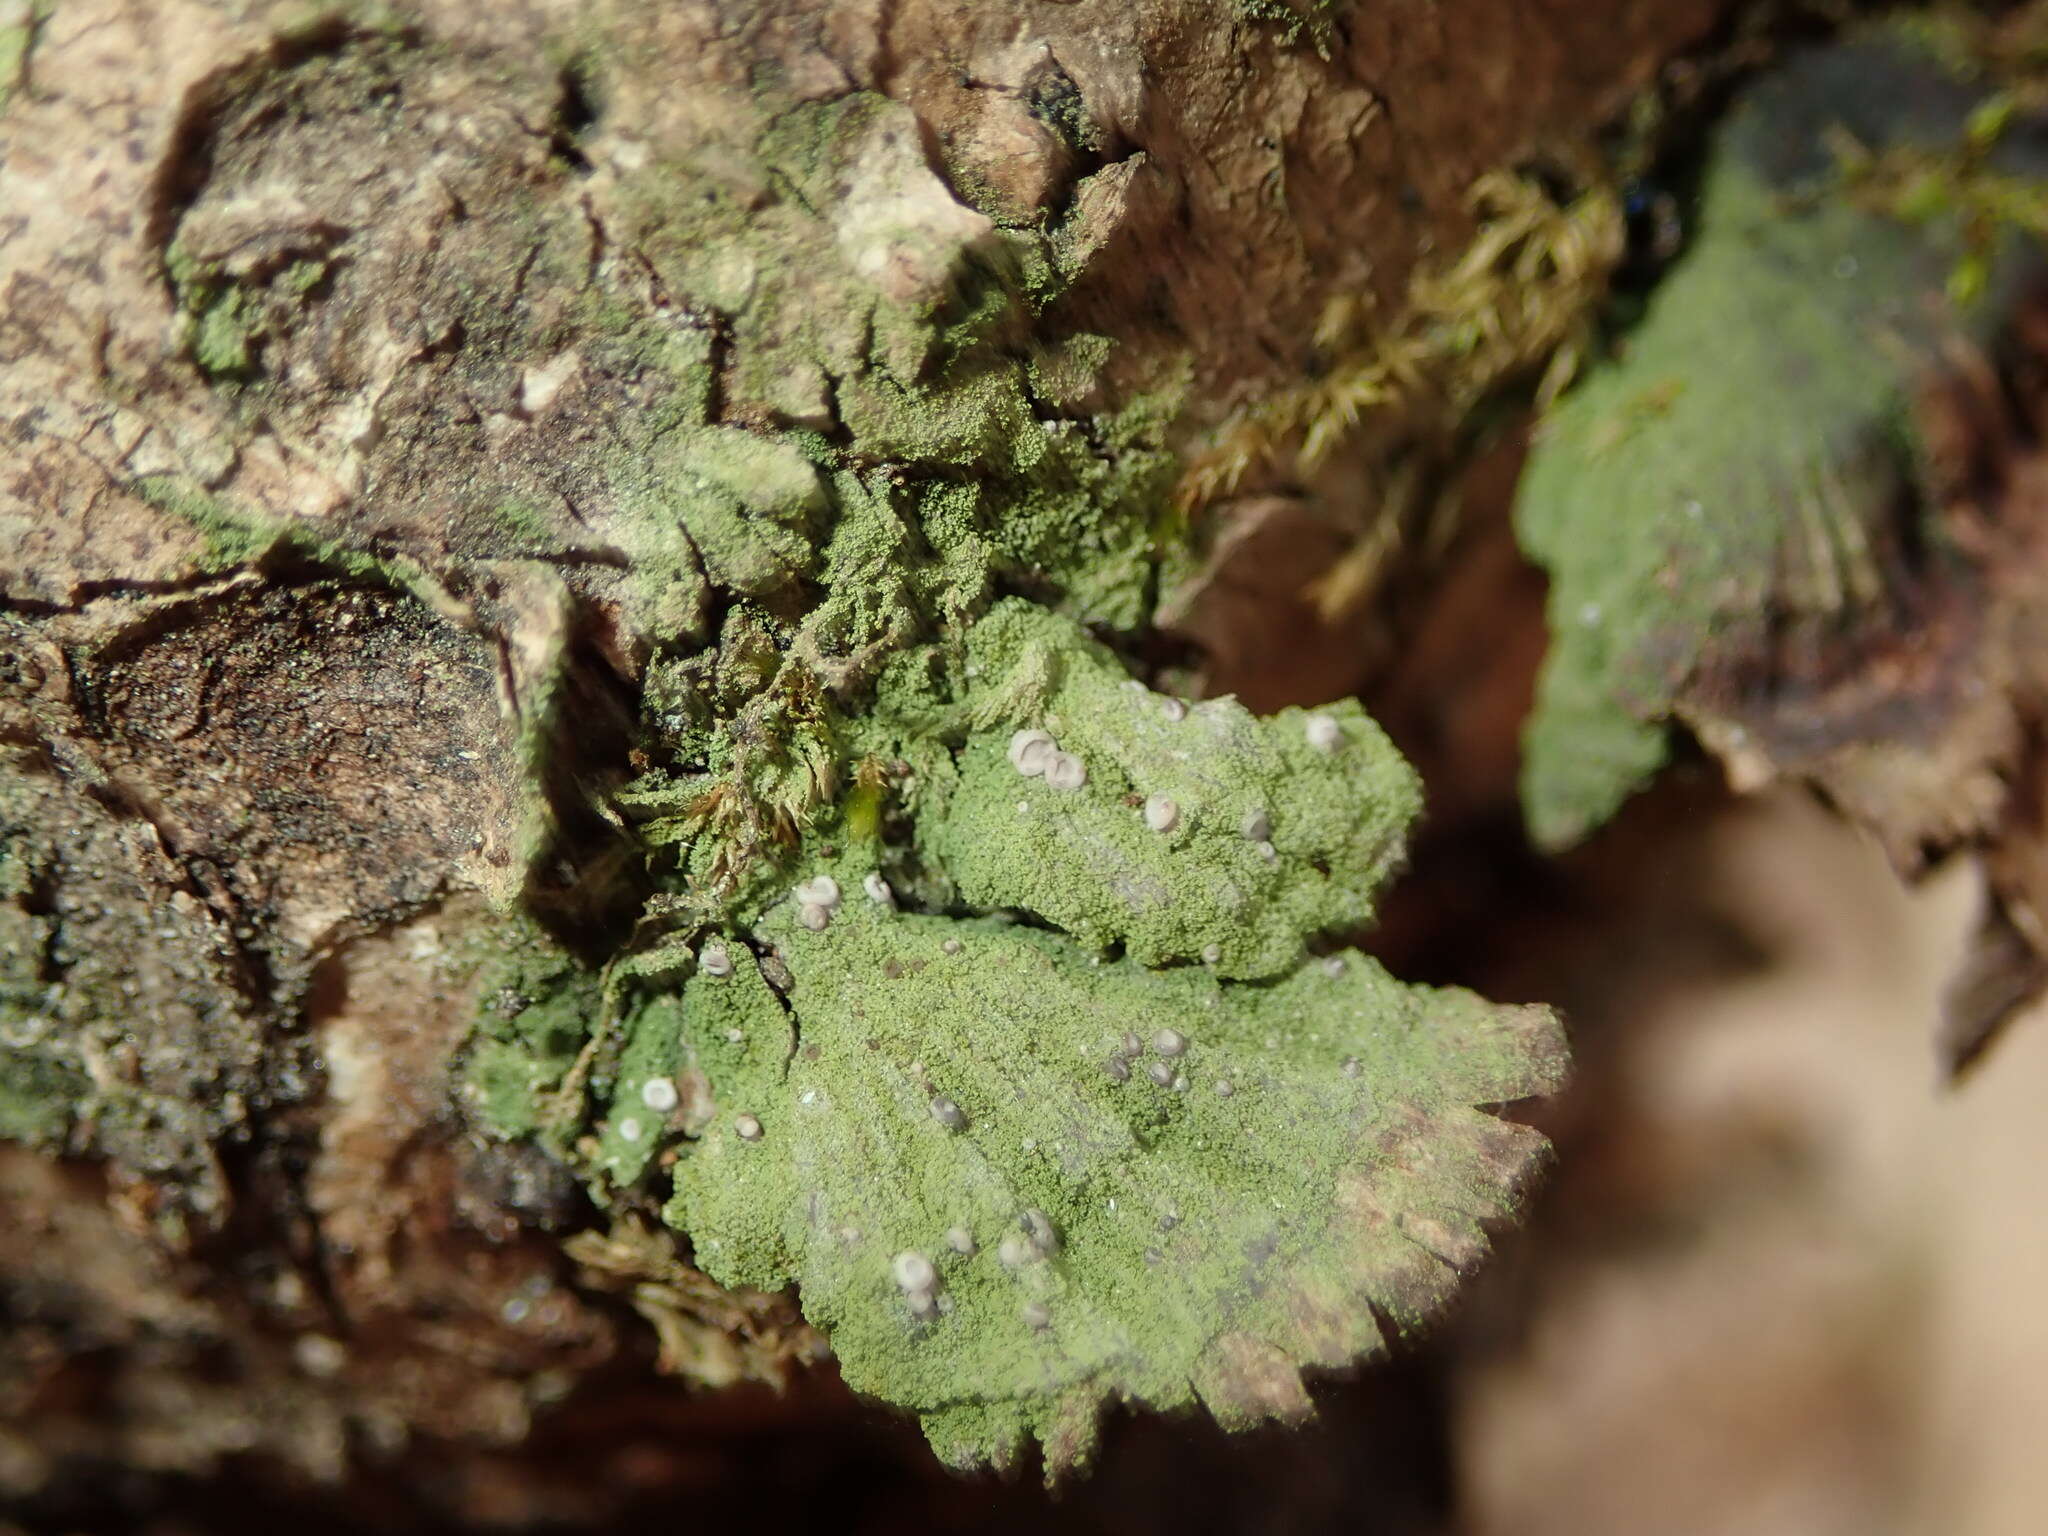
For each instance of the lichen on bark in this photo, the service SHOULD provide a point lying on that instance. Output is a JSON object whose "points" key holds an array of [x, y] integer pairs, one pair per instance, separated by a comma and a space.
{"points": [[1742, 509], [623, 461], [1016, 1182]]}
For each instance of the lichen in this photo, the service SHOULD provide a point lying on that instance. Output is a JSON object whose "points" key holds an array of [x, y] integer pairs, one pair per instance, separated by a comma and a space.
{"points": [[1271, 837], [851, 1075], [1311, 1156], [42, 1079], [853, 506], [227, 317], [535, 1004], [120, 1033], [877, 523], [237, 536], [1732, 465]]}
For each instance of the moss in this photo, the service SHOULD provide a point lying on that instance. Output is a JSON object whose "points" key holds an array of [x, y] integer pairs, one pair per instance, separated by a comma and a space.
{"points": [[1514, 309], [1976, 185]]}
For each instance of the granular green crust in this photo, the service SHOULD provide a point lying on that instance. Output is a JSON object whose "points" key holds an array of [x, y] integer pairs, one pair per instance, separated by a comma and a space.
{"points": [[1730, 475], [1271, 838], [1312, 1158]]}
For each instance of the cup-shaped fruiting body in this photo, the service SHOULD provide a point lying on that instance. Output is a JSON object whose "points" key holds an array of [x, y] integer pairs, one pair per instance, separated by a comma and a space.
{"points": [[814, 916], [961, 1241], [1032, 752], [1162, 813], [715, 961], [659, 1094], [1160, 1073], [746, 1127], [1170, 1042], [1065, 771], [818, 891], [877, 889], [1323, 733], [1174, 709], [948, 1114], [1118, 1069], [913, 1272], [1257, 826]]}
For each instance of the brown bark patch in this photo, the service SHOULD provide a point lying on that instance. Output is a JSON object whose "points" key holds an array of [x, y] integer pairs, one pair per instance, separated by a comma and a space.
{"points": [[319, 758]]}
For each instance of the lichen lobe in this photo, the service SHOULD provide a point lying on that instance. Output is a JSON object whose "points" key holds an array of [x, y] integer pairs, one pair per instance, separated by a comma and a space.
{"points": [[1137, 1237]]}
